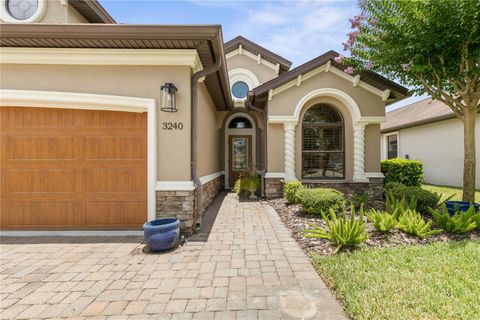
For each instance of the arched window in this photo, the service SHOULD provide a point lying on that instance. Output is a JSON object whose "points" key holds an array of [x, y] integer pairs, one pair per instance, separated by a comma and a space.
{"points": [[323, 152], [240, 123]]}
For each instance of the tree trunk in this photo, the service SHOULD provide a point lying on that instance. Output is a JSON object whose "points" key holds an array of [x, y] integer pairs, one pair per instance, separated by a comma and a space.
{"points": [[469, 163]]}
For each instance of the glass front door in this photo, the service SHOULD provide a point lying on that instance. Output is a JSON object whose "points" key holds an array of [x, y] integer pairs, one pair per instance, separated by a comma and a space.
{"points": [[240, 157]]}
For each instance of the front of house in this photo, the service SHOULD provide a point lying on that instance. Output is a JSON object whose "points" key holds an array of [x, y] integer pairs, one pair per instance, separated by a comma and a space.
{"points": [[88, 139]]}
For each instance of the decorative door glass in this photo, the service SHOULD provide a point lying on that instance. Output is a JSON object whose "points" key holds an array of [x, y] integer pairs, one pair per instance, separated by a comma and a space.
{"points": [[239, 154]]}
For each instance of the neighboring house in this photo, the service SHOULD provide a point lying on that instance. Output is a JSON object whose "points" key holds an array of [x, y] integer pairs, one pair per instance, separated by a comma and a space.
{"points": [[429, 131], [87, 141]]}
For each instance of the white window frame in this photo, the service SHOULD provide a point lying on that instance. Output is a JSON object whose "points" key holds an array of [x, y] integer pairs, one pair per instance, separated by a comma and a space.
{"points": [[242, 75], [385, 144], [37, 16]]}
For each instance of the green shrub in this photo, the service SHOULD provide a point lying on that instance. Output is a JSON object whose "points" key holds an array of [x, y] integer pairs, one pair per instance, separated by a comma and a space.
{"points": [[424, 198], [290, 191], [411, 222], [460, 222], [244, 186], [398, 206], [408, 172], [314, 201], [358, 200], [342, 231], [382, 220]]}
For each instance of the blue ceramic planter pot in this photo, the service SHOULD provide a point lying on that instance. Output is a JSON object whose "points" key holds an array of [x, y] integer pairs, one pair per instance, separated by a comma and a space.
{"points": [[161, 234], [459, 205]]}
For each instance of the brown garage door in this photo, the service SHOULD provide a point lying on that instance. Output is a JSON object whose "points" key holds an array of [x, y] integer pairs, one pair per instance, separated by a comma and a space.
{"points": [[72, 169]]}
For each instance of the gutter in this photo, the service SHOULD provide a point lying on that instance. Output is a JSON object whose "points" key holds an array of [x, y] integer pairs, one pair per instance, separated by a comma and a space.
{"points": [[251, 107], [193, 137]]}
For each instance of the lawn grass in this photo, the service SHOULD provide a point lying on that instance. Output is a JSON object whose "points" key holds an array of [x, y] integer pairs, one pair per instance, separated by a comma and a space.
{"points": [[435, 281], [447, 191]]}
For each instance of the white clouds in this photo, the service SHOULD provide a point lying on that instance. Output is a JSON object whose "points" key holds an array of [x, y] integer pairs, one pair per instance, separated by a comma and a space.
{"points": [[298, 30]]}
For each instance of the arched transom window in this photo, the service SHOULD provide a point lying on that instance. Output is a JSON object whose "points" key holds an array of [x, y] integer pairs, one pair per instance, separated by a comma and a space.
{"points": [[323, 152]]}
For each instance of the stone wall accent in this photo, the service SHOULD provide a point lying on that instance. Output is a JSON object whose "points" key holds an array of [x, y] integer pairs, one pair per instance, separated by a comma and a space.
{"points": [[177, 204], [273, 188], [181, 204], [210, 191], [374, 188]]}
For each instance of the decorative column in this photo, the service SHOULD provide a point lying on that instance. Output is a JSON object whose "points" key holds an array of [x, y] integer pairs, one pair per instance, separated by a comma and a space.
{"points": [[289, 128], [359, 153]]}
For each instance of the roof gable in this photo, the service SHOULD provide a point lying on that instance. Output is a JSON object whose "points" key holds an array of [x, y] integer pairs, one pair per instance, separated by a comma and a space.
{"points": [[239, 44], [92, 11], [387, 89]]}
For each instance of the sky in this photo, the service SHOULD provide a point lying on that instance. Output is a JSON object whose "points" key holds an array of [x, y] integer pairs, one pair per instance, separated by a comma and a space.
{"points": [[298, 30]]}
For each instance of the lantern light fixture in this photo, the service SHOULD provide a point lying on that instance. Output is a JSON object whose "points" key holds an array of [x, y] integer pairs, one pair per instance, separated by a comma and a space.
{"points": [[168, 97]]}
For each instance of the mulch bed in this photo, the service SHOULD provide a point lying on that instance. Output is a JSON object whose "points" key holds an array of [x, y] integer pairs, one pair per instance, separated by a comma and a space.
{"points": [[297, 221]]}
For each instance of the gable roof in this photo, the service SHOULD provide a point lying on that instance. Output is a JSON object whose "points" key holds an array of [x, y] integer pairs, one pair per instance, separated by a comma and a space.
{"points": [[92, 10], [397, 92], [254, 48], [415, 114], [206, 39]]}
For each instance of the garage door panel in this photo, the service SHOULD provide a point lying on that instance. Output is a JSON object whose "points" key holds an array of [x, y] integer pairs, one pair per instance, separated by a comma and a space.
{"points": [[112, 213], [115, 180], [72, 169], [40, 181], [38, 215], [115, 148], [38, 118], [96, 118], [28, 147]]}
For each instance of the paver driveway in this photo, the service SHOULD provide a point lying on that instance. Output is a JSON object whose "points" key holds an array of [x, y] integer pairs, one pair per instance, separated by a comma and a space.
{"points": [[248, 268]]}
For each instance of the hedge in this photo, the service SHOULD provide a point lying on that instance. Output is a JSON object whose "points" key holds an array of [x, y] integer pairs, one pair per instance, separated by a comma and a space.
{"points": [[290, 191], [407, 172], [425, 198], [314, 201]]}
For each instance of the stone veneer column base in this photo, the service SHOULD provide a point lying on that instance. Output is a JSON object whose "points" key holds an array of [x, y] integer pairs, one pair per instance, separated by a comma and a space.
{"points": [[374, 188], [274, 188], [181, 204]]}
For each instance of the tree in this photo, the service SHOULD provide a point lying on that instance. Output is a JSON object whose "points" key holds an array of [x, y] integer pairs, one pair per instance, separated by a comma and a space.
{"points": [[432, 46]]}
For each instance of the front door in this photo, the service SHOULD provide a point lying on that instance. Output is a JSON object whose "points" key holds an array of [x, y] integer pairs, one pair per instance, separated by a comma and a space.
{"points": [[240, 157]]}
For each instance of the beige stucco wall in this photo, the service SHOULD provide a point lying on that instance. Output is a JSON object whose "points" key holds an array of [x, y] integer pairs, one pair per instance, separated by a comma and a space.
{"points": [[57, 12], [262, 72], [439, 146], [136, 81], [209, 135], [284, 104]]}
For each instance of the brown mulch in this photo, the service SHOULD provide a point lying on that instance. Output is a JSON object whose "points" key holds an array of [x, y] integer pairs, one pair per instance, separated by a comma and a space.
{"points": [[297, 222]]}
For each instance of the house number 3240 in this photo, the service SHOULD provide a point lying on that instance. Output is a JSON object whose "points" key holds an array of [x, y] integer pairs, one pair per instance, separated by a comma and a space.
{"points": [[172, 126]]}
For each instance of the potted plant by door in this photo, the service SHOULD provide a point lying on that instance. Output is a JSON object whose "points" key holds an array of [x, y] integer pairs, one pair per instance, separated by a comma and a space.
{"points": [[161, 234], [456, 206]]}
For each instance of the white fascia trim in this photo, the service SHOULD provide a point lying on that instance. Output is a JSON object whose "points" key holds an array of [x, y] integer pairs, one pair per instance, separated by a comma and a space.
{"points": [[243, 51], [210, 177], [73, 100], [175, 186], [67, 233], [108, 57], [275, 175], [282, 119], [298, 80], [372, 120], [358, 82], [39, 13], [374, 175]]}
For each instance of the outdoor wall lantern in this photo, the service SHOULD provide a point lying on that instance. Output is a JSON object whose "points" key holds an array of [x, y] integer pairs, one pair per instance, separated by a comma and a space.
{"points": [[168, 97]]}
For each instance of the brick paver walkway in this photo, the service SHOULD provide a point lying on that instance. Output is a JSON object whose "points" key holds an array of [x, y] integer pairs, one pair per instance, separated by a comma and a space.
{"points": [[249, 268]]}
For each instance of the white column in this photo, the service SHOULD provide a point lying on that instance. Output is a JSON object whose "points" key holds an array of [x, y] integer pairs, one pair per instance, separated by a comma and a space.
{"points": [[359, 153], [289, 128]]}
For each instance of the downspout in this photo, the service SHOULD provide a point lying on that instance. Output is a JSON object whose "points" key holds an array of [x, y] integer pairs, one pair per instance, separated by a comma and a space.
{"points": [[249, 106], [193, 137]]}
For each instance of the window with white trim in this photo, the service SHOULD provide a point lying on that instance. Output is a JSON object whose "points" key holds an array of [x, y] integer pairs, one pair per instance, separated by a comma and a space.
{"points": [[392, 146], [323, 151]]}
